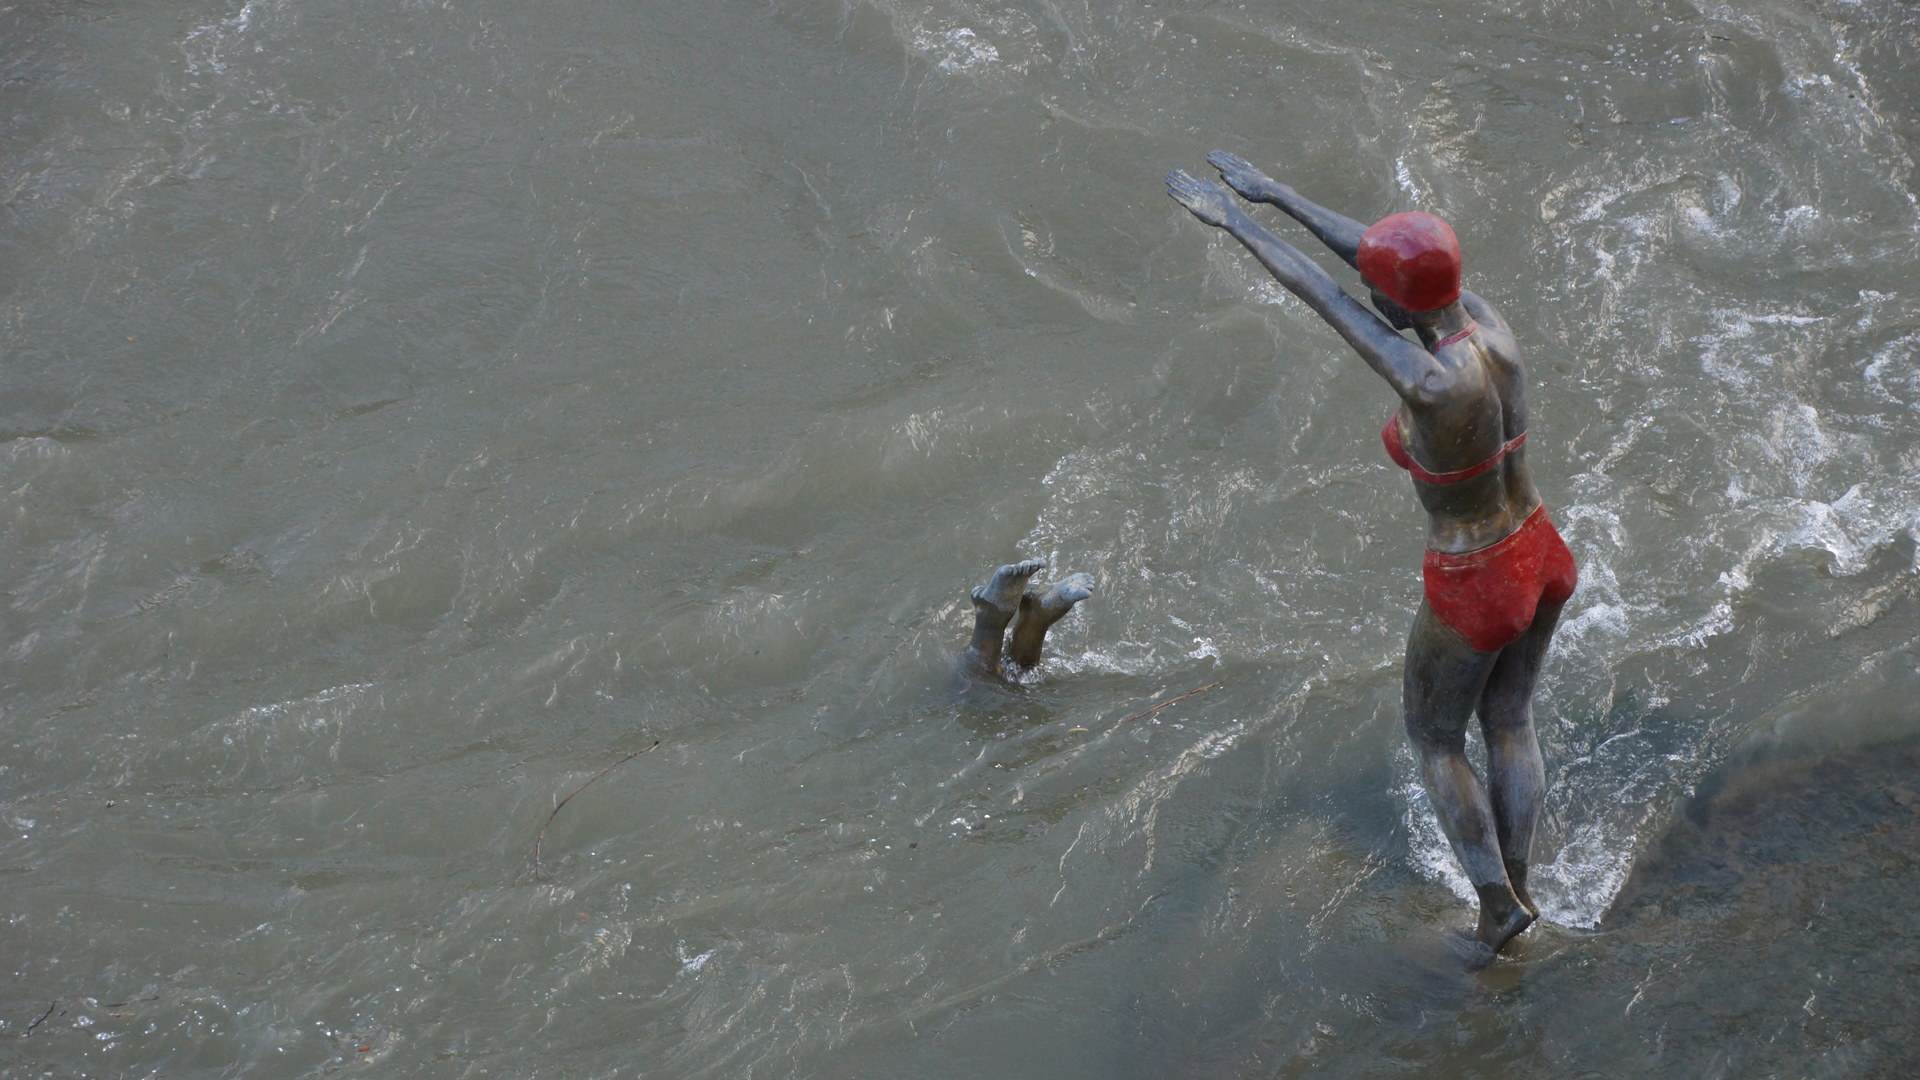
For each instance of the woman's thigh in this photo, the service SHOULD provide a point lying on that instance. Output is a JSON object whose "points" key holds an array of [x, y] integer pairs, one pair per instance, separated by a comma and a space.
{"points": [[1443, 680], [1509, 689]]}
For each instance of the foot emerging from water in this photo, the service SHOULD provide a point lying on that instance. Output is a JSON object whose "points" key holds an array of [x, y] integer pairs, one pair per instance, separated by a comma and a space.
{"points": [[994, 606], [1039, 611], [1502, 917], [1008, 585]]}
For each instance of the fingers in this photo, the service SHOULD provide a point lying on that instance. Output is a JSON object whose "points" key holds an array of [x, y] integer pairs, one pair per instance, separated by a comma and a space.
{"points": [[1224, 161], [1208, 202], [1239, 175], [1185, 186]]}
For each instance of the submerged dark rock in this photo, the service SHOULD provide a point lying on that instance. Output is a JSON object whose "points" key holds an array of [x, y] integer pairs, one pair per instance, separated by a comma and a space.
{"points": [[1776, 924]]}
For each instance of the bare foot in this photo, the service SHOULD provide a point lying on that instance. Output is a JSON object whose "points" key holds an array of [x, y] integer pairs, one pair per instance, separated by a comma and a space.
{"points": [[1008, 584], [1040, 610], [1502, 917]]}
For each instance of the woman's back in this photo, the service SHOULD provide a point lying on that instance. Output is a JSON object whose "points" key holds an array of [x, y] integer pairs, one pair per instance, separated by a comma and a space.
{"points": [[1479, 418]]}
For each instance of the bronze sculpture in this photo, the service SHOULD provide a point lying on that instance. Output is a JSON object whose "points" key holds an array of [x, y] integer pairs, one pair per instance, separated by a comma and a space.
{"points": [[1496, 572], [1007, 598]]}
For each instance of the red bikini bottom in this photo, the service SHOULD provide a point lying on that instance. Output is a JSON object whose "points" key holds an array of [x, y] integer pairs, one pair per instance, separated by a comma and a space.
{"points": [[1489, 596]]}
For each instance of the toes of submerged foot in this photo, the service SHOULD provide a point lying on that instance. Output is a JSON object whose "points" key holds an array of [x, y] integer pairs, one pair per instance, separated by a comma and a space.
{"points": [[1008, 583], [1024, 569]]}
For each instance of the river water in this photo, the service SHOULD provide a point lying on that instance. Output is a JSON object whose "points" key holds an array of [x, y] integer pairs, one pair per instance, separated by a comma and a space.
{"points": [[413, 408]]}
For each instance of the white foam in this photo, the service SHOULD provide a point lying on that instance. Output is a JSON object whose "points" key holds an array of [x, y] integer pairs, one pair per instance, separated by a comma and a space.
{"points": [[206, 45], [955, 50], [1580, 884], [1894, 365], [1427, 846]]}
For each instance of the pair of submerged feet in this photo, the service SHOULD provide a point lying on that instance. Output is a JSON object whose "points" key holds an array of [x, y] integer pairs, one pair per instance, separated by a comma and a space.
{"points": [[1008, 598]]}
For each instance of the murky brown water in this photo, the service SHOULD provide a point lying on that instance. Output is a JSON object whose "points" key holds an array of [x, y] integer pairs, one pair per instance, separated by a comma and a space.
{"points": [[412, 408]]}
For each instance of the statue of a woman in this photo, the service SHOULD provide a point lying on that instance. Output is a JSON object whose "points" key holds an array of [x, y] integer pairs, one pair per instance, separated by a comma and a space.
{"points": [[1496, 570]]}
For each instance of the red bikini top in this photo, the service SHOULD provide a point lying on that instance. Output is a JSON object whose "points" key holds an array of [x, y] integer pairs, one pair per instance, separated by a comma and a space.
{"points": [[1391, 436]]}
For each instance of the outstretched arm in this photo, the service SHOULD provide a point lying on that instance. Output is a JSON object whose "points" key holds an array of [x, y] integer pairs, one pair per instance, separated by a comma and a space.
{"points": [[1409, 369], [1340, 233]]}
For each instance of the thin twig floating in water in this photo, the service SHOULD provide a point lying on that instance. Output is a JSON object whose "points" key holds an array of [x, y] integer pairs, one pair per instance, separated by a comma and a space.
{"points": [[43, 1018], [1170, 701], [556, 806]]}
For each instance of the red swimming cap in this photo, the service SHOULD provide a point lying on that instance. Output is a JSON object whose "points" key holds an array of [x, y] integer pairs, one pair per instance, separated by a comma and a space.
{"points": [[1414, 259]]}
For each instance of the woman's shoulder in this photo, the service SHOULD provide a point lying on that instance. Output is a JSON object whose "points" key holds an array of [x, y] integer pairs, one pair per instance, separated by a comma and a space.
{"points": [[1486, 315], [1482, 311]]}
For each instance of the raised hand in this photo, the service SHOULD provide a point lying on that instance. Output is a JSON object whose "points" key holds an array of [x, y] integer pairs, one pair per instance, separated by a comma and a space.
{"points": [[1207, 201], [1251, 183], [1340, 233]]}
